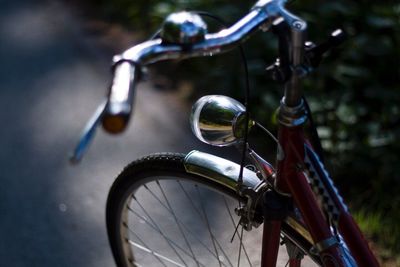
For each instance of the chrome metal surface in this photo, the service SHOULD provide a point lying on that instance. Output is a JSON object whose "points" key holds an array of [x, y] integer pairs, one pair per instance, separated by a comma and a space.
{"points": [[293, 88], [264, 167], [196, 45], [292, 116], [275, 8], [183, 28], [121, 95], [218, 120], [226, 172], [219, 170], [247, 210], [155, 50], [327, 243]]}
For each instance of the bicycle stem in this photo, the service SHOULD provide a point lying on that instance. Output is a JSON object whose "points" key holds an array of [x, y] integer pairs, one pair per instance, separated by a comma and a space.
{"points": [[293, 89]]}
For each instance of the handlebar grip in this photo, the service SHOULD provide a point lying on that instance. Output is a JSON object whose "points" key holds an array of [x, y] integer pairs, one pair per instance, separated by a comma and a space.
{"points": [[120, 99]]}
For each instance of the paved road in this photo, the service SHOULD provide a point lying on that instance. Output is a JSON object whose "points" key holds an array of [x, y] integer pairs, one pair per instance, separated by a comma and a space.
{"points": [[52, 77], [51, 80]]}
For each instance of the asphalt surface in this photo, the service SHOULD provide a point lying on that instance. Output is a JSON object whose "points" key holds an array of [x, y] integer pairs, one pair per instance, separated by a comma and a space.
{"points": [[53, 75], [52, 78]]}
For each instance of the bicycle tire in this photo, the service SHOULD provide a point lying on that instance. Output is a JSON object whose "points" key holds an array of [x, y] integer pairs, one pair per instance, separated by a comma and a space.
{"points": [[150, 175]]}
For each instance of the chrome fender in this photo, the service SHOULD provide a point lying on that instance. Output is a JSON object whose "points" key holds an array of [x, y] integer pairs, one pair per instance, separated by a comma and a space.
{"points": [[219, 170]]}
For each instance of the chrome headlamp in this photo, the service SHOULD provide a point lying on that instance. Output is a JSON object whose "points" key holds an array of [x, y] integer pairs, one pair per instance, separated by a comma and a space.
{"points": [[218, 120]]}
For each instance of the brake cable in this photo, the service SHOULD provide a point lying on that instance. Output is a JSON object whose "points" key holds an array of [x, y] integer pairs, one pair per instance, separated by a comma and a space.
{"points": [[246, 97]]}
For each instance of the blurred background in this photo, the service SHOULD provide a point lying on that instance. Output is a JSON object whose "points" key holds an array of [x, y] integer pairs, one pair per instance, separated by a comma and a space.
{"points": [[56, 66], [55, 71]]}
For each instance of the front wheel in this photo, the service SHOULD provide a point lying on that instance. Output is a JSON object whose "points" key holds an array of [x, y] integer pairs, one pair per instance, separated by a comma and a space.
{"points": [[160, 215]]}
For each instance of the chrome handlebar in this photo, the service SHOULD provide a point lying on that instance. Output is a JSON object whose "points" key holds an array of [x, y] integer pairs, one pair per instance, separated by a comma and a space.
{"points": [[261, 17], [120, 98], [114, 113]]}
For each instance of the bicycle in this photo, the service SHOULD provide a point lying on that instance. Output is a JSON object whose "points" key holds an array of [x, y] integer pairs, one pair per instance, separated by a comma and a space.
{"points": [[295, 201]]}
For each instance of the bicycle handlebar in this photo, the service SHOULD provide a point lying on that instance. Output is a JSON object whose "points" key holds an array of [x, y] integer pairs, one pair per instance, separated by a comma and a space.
{"points": [[120, 99], [114, 114], [260, 16], [115, 111]]}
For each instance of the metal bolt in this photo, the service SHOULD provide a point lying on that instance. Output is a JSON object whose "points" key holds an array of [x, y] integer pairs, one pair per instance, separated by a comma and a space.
{"points": [[298, 25]]}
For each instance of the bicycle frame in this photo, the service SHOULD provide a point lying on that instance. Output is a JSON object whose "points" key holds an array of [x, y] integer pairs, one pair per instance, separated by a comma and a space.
{"points": [[297, 165], [299, 171]]}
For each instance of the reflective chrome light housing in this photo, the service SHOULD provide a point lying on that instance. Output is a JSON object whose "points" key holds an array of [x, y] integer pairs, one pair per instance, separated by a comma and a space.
{"points": [[218, 120]]}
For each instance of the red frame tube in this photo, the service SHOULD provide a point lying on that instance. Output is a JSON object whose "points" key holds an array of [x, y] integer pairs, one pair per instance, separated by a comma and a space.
{"points": [[346, 224], [356, 241], [270, 243], [294, 263], [290, 180]]}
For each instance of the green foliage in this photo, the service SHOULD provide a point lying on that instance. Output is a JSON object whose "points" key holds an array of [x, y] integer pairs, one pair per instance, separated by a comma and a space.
{"points": [[357, 101], [376, 226], [355, 94]]}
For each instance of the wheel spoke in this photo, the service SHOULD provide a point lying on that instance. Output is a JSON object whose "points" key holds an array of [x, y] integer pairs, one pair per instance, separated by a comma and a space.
{"points": [[161, 232], [208, 225], [240, 246], [202, 214], [202, 218], [158, 231], [177, 223], [236, 233], [160, 215], [155, 254], [187, 229], [145, 248]]}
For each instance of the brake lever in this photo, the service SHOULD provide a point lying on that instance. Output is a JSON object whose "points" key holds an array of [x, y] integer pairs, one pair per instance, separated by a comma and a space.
{"points": [[88, 134], [314, 53]]}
